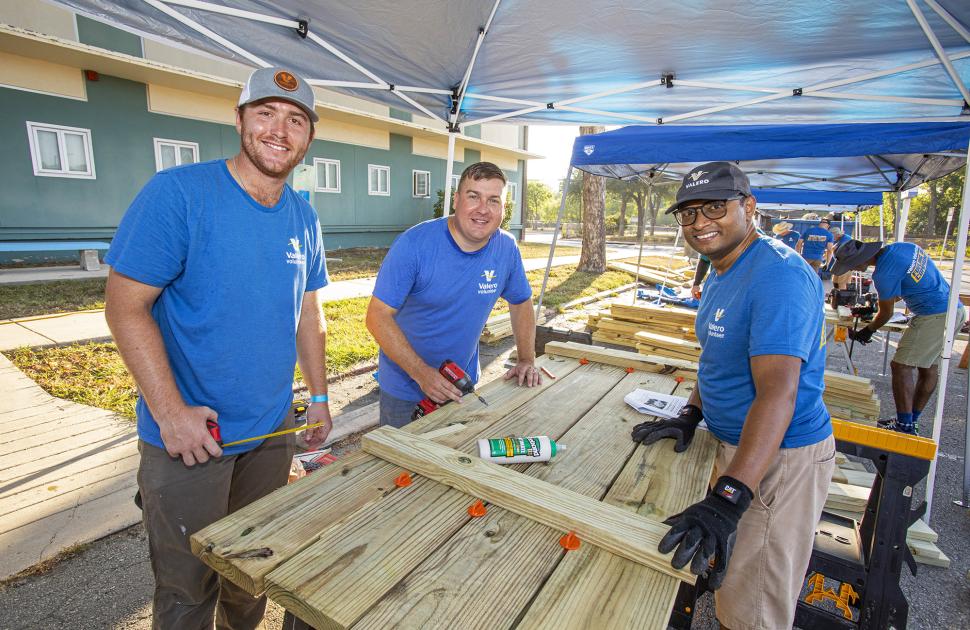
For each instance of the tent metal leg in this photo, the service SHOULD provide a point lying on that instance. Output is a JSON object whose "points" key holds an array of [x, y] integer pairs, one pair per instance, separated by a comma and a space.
{"points": [[636, 280], [446, 204], [951, 315], [555, 237]]}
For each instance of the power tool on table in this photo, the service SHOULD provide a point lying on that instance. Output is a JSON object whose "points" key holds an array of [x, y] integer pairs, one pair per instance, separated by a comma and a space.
{"points": [[457, 377]]}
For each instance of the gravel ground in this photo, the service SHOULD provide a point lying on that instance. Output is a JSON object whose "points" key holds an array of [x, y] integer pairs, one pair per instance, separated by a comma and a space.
{"points": [[109, 584]]}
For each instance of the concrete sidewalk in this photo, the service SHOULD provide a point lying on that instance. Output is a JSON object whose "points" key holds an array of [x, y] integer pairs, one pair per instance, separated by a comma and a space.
{"points": [[66, 328]]}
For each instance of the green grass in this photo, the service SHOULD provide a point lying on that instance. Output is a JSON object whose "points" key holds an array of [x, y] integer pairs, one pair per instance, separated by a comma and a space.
{"points": [[355, 262], [567, 284], [94, 374], [44, 298], [541, 250]]}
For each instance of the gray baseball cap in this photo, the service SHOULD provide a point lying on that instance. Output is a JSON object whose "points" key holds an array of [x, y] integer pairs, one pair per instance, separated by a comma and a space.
{"points": [[853, 253], [282, 84], [711, 181]]}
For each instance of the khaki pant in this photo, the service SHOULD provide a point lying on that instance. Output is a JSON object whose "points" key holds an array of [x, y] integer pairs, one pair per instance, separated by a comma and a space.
{"points": [[922, 342], [775, 538], [178, 501]]}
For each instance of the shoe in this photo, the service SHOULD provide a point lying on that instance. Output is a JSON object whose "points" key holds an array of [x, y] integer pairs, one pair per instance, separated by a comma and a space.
{"points": [[892, 425]]}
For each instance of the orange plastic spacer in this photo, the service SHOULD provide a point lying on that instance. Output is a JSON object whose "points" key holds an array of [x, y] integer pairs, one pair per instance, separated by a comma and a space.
{"points": [[570, 541], [477, 509], [583, 361], [403, 480], [679, 379], [629, 370]]}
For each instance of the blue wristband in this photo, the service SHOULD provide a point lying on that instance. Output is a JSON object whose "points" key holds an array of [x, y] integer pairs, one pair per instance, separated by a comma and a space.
{"points": [[322, 398]]}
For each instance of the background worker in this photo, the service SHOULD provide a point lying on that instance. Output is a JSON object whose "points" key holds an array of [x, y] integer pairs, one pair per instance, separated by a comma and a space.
{"points": [[700, 272], [205, 341], [435, 291], [816, 244], [783, 232], [842, 280], [905, 270], [759, 389]]}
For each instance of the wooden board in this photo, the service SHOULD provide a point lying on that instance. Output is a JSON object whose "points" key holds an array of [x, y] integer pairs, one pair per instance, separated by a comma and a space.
{"points": [[601, 524]]}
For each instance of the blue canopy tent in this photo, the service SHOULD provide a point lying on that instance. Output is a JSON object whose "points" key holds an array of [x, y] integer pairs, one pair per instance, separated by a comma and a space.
{"points": [[542, 61], [839, 157]]}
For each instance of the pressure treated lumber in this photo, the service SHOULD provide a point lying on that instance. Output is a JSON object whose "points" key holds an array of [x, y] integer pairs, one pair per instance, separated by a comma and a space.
{"points": [[292, 518], [356, 562], [496, 564], [622, 358], [592, 588], [613, 529]]}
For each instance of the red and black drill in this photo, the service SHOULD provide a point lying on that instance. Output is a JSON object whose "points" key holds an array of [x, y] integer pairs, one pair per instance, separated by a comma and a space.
{"points": [[457, 377]]}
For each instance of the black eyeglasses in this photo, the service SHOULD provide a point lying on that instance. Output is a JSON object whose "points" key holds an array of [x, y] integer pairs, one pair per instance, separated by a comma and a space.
{"points": [[712, 210]]}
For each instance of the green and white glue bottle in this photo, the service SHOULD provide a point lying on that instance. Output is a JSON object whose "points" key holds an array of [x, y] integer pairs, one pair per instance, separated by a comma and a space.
{"points": [[519, 450]]}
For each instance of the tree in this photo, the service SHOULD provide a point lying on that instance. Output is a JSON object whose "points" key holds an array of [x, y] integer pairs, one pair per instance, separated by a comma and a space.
{"points": [[538, 196], [592, 259]]}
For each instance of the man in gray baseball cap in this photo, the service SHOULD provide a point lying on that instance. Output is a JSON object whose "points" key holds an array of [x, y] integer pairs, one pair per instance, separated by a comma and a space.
{"points": [[759, 388], [212, 299]]}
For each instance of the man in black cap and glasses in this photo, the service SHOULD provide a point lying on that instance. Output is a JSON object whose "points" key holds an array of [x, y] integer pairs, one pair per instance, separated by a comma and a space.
{"points": [[905, 270], [759, 389]]}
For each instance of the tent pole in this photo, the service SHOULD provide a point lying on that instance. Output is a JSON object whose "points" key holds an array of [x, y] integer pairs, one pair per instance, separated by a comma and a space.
{"points": [[636, 280], [951, 315], [449, 171], [555, 237], [882, 211]]}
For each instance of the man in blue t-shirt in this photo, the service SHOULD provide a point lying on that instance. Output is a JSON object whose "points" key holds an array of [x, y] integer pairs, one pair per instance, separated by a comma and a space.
{"points": [[816, 244], [783, 232], [905, 270], [211, 298], [759, 388], [435, 291]]}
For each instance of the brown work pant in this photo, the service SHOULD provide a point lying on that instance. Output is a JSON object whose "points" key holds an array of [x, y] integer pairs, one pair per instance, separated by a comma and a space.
{"points": [[178, 501]]}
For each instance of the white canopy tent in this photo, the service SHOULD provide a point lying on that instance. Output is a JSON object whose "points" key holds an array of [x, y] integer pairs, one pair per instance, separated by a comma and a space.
{"points": [[566, 61]]}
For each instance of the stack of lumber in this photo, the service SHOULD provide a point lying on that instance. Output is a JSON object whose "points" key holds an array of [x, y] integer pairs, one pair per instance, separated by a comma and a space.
{"points": [[848, 494], [664, 346], [851, 398], [497, 327], [622, 322], [654, 274]]}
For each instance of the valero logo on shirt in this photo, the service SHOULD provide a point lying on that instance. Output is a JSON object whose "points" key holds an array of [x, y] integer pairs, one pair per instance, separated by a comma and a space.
{"points": [[296, 257], [489, 286], [716, 330]]}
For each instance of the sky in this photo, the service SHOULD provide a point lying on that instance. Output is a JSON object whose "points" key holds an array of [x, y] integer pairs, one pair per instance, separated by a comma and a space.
{"points": [[556, 143]]}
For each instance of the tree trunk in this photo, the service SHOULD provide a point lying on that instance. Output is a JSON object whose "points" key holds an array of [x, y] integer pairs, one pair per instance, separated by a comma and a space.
{"points": [[593, 257], [931, 213], [641, 215], [653, 208], [621, 223]]}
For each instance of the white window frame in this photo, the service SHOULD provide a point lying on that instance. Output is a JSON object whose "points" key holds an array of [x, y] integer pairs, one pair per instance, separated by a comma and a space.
{"points": [[414, 184], [371, 168], [455, 178], [513, 191], [323, 162], [178, 144], [60, 130]]}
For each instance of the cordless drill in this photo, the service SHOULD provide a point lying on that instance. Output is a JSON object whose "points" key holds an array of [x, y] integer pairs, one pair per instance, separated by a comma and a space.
{"points": [[457, 377]]}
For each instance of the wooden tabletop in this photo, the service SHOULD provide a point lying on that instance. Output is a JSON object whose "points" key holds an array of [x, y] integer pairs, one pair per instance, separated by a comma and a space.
{"points": [[345, 547]]}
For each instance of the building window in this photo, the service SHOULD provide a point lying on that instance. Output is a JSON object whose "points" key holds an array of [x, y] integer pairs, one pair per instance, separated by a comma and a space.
{"points": [[59, 151], [378, 180], [454, 182], [328, 175], [421, 186], [171, 153], [513, 192]]}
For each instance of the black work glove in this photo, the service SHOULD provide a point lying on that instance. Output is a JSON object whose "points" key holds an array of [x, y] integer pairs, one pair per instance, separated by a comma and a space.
{"points": [[862, 335], [707, 530], [680, 428]]}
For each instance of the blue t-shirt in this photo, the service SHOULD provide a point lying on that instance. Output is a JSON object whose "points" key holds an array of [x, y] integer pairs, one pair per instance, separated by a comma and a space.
{"points": [[233, 274], [790, 239], [739, 318], [443, 297], [906, 270], [816, 239]]}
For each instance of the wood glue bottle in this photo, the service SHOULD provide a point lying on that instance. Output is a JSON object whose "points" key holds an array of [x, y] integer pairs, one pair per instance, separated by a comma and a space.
{"points": [[519, 450]]}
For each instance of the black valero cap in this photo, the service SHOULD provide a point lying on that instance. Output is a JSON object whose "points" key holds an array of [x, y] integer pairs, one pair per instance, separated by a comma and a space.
{"points": [[711, 181]]}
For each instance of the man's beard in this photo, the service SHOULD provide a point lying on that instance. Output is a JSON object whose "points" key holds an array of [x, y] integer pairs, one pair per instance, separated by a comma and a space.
{"points": [[252, 148]]}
